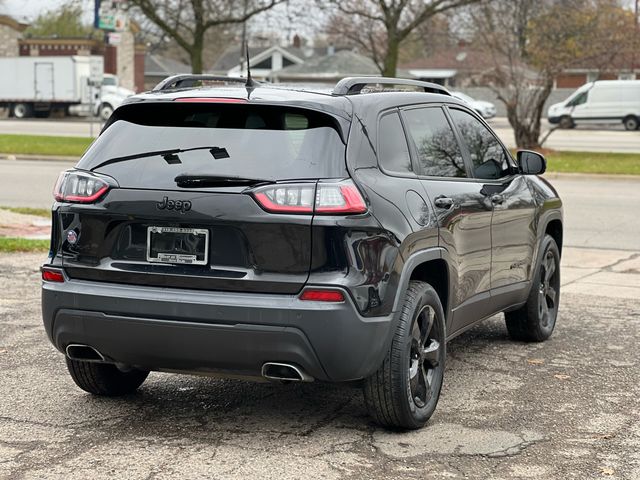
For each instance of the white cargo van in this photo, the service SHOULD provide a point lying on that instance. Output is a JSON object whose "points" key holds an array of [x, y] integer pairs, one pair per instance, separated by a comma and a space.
{"points": [[601, 102]]}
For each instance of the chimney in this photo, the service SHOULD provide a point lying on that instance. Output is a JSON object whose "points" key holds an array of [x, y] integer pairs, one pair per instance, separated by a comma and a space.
{"points": [[297, 41]]}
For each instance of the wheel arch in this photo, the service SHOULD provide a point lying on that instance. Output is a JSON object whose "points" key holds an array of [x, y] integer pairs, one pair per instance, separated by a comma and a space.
{"points": [[554, 228], [431, 266]]}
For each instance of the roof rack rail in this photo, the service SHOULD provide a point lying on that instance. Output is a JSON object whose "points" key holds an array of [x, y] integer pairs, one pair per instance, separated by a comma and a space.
{"points": [[354, 85], [188, 80]]}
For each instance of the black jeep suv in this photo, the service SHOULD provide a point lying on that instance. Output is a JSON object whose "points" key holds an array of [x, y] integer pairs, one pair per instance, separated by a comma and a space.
{"points": [[288, 235]]}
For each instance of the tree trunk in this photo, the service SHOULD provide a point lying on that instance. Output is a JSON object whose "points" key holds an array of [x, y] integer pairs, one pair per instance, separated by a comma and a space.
{"points": [[197, 48], [391, 58], [527, 124]]}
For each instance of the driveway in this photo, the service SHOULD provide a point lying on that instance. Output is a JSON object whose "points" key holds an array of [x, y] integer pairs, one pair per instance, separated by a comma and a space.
{"points": [[563, 409]]}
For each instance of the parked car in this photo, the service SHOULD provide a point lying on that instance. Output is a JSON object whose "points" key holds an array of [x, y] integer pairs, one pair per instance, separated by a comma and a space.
{"points": [[607, 102], [270, 233], [486, 109]]}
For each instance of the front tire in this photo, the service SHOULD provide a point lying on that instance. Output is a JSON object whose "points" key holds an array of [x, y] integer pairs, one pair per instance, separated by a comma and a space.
{"points": [[566, 122], [104, 379], [536, 319], [404, 392], [105, 111], [22, 110]]}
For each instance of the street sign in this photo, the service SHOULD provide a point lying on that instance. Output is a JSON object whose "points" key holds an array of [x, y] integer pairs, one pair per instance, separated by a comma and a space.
{"points": [[110, 15]]}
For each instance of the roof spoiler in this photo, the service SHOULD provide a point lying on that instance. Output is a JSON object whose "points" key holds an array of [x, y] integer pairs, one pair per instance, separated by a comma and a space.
{"points": [[193, 80], [354, 85]]}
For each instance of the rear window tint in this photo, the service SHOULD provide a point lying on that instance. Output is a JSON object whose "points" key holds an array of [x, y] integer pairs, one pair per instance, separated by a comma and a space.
{"points": [[259, 141]]}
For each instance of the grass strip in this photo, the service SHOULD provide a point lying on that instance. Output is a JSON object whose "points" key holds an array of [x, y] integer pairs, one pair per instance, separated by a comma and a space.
{"points": [[594, 162], [14, 245], [38, 212], [44, 145]]}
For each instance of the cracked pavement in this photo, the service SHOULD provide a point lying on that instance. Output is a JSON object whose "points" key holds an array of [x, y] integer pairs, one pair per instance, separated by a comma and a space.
{"points": [[567, 408]]}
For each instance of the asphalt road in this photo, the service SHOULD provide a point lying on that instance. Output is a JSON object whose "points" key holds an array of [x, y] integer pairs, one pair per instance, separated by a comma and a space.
{"points": [[600, 212], [564, 409], [596, 139]]}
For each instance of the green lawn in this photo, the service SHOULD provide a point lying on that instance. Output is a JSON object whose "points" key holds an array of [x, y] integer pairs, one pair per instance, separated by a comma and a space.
{"points": [[38, 212], [592, 162], [12, 245], [44, 145]]}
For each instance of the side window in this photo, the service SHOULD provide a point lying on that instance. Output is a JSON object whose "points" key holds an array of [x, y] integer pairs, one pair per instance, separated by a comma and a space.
{"points": [[489, 159], [579, 100], [438, 151], [393, 151]]}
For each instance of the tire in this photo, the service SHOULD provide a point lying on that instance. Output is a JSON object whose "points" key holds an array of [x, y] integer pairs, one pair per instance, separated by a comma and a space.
{"points": [[536, 319], [404, 391], [21, 110], [631, 123], [104, 379], [566, 122], [105, 111]]}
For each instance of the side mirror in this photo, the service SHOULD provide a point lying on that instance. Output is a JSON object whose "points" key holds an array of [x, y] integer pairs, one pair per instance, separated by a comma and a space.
{"points": [[531, 163]]}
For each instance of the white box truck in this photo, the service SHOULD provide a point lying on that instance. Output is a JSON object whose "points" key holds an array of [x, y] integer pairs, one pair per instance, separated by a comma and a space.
{"points": [[601, 102], [37, 85]]}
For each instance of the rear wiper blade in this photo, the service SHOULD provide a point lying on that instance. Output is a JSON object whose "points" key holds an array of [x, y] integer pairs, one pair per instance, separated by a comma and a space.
{"points": [[204, 180], [169, 155]]}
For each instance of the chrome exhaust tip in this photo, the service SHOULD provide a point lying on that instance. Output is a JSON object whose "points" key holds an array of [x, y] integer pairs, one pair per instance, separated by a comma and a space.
{"points": [[284, 372], [85, 353]]}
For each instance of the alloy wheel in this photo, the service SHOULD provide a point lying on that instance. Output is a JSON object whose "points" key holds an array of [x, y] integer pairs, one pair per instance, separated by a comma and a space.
{"points": [[548, 290], [424, 360]]}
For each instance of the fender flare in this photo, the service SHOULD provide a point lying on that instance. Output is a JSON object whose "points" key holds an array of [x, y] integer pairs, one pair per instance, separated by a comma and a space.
{"points": [[410, 264]]}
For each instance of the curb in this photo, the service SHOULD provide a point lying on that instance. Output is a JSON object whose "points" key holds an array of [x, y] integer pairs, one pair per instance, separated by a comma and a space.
{"points": [[44, 158]]}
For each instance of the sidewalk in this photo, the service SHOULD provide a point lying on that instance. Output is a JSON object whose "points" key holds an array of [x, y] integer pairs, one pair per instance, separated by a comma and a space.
{"points": [[24, 226]]}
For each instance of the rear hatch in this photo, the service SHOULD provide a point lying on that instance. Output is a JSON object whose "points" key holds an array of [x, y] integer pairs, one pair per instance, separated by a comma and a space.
{"points": [[182, 206]]}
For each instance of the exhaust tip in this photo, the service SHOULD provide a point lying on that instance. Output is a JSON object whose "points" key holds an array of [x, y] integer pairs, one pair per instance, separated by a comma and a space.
{"points": [[284, 372], [84, 353]]}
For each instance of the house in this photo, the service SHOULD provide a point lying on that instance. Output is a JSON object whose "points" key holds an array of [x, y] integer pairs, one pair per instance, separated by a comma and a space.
{"points": [[157, 68], [327, 69], [451, 67], [263, 60], [10, 32]]}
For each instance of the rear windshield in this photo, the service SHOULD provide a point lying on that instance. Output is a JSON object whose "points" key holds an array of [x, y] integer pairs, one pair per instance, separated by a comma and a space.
{"points": [[235, 140]]}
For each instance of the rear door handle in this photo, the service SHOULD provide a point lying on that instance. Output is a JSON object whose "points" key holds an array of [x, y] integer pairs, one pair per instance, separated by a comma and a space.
{"points": [[497, 199], [443, 202]]}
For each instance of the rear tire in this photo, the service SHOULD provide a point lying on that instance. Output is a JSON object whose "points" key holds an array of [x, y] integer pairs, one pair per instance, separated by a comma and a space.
{"points": [[104, 379], [404, 392], [631, 123], [536, 319]]}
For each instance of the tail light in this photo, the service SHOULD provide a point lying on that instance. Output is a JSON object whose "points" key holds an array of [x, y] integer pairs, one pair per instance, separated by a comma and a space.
{"points": [[322, 295], [321, 198], [52, 275], [80, 187]]}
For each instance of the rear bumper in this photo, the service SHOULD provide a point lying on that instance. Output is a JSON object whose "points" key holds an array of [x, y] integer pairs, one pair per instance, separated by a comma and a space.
{"points": [[219, 332]]}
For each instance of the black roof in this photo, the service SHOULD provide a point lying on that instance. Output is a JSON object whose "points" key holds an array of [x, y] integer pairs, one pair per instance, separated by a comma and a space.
{"points": [[340, 105]]}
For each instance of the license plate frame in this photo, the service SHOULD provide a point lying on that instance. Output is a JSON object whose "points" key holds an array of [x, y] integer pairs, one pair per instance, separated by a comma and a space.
{"points": [[173, 257]]}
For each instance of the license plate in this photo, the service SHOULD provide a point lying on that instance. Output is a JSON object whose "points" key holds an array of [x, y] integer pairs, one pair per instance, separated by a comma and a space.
{"points": [[184, 246]]}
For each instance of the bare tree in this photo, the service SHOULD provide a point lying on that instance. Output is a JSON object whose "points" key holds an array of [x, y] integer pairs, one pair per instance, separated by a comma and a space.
{"points": [[531, 42], [380, 26], [187, 22]]}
